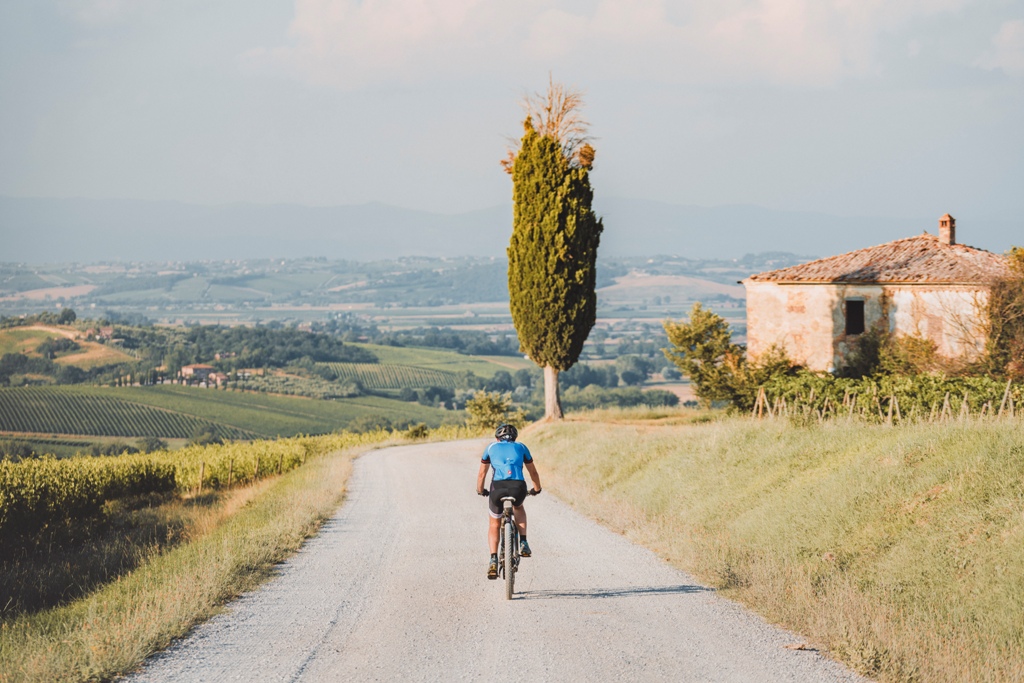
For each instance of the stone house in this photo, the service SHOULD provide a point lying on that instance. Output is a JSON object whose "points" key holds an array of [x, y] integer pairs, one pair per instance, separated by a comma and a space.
{"points": [[197, 371], [924, 285]]}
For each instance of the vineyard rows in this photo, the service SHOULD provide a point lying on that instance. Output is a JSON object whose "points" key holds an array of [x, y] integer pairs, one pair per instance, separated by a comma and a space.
{"points": [[52, 411], [69, 494], [393, 376], [888, 399]]}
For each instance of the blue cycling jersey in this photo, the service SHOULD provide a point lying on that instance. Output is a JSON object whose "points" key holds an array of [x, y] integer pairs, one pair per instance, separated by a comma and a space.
{"points": [[507, 459]]}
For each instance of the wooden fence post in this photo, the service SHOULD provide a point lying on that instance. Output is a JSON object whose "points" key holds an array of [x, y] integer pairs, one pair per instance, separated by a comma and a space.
{"points": [[965, 408], [759, 403], [256, 475], [280, 463], [231, 470], [1006, 395], [899, 415], [888, 419], [947, 411], [202, 473]]}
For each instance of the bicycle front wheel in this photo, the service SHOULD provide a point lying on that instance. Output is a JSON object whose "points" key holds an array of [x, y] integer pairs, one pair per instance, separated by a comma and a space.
{"points": [[510, 569]]}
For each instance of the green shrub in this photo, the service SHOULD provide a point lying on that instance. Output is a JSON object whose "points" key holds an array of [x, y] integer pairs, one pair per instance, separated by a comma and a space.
{"points": [[487, 410], [1005, 346], [702, 349]]}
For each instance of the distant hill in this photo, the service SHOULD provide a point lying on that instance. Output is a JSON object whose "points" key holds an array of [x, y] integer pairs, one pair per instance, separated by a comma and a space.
{"points": [[83, 230]]}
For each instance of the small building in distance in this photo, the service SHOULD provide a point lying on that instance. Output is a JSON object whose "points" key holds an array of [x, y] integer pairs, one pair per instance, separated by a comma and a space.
{"points": [[924, 286], [197, 371]]}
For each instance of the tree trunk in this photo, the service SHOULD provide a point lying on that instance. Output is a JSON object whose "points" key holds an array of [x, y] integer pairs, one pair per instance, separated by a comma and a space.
{"points": [[552, 402]]}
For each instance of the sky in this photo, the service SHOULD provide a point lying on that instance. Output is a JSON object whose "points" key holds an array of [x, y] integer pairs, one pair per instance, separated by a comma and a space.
{"points": [[901, 108]]}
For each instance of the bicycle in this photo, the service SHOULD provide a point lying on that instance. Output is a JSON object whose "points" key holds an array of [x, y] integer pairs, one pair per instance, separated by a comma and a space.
{"points": [[508, 544], [508, 547]]}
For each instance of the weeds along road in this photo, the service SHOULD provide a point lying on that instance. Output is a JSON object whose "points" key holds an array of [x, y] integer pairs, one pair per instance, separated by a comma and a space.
{"points": [[394, 588]]}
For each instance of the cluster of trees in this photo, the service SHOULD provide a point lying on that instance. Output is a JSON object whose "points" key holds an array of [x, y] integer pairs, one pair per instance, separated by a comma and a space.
{"points": [[64, 317], [259, 347], [473, 342], [470, 342], [51, 348], [12, 364], [583, 375], [226, 348], [592, 397], [441, 397]]}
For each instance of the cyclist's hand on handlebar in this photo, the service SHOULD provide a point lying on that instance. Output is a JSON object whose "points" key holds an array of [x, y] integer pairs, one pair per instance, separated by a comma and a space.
{"points": [[534, 492], [482, 492]]}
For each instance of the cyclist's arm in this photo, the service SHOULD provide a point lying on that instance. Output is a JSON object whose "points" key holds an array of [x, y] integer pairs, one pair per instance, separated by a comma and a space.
{"points": [[534, 477], [481, 477]]}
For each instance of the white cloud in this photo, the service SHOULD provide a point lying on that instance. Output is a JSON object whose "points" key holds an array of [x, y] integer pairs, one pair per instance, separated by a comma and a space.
{"points": [[1007, 51], [349, 44]]}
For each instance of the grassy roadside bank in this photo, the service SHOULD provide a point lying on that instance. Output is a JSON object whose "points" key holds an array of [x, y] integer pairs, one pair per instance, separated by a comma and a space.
{"points": [[232, 540], [897, 549]]}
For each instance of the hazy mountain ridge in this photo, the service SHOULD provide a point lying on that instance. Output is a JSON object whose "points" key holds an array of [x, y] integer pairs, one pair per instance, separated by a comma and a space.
{"points": [[83, 230]]}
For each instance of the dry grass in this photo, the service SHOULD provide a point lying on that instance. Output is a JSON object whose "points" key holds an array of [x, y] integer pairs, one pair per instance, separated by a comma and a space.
{"points": [[897, 549], [93, 355], [226, 544], [642, 416]]}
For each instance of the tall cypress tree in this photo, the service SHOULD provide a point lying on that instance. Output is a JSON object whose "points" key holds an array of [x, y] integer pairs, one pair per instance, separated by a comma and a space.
{"points": [[553, 252]]}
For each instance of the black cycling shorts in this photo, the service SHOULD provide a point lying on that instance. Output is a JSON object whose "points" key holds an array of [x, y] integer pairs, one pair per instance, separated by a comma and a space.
{"points": [[503, 489]]}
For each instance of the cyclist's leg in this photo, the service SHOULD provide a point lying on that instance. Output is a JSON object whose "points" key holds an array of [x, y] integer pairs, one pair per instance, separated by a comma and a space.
{"points": [[520, 515], [492, 533], [494, 506]]}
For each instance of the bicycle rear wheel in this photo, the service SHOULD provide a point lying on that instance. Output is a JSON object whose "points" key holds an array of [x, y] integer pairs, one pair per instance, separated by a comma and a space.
{"points": [[510, 569]]}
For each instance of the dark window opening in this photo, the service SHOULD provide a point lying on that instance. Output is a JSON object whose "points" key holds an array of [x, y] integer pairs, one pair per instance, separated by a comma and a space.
{"points": [[854, 317]]}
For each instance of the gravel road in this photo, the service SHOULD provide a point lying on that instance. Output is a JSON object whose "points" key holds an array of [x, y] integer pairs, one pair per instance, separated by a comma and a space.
{"points": [[394, 588]]}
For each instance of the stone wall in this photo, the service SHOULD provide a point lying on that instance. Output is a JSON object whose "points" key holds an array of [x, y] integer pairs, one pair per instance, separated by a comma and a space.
{"points": [[809, 320]]}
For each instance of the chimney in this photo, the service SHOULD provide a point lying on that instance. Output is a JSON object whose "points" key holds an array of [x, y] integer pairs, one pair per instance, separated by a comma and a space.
{"points": [[947, 229]]}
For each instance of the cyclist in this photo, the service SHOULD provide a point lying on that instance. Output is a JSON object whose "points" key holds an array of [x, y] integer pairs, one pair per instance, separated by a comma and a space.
{"points": [[506, 458]]}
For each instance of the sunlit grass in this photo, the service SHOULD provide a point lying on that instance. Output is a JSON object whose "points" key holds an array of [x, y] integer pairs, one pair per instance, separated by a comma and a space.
{"points": [[898, 549]]}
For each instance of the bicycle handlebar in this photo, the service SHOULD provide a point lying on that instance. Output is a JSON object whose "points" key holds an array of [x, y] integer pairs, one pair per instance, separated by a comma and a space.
{"points": [[531, 492]]}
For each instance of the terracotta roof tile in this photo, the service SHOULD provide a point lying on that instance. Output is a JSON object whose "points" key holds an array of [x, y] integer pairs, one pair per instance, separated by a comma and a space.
{"points": [[921, 259]]}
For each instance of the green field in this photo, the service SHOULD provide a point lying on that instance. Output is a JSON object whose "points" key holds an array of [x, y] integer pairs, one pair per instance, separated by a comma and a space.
{"points": [[171, 411], [17, 340], [450, 361], [897, 549], [381, 376]]}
